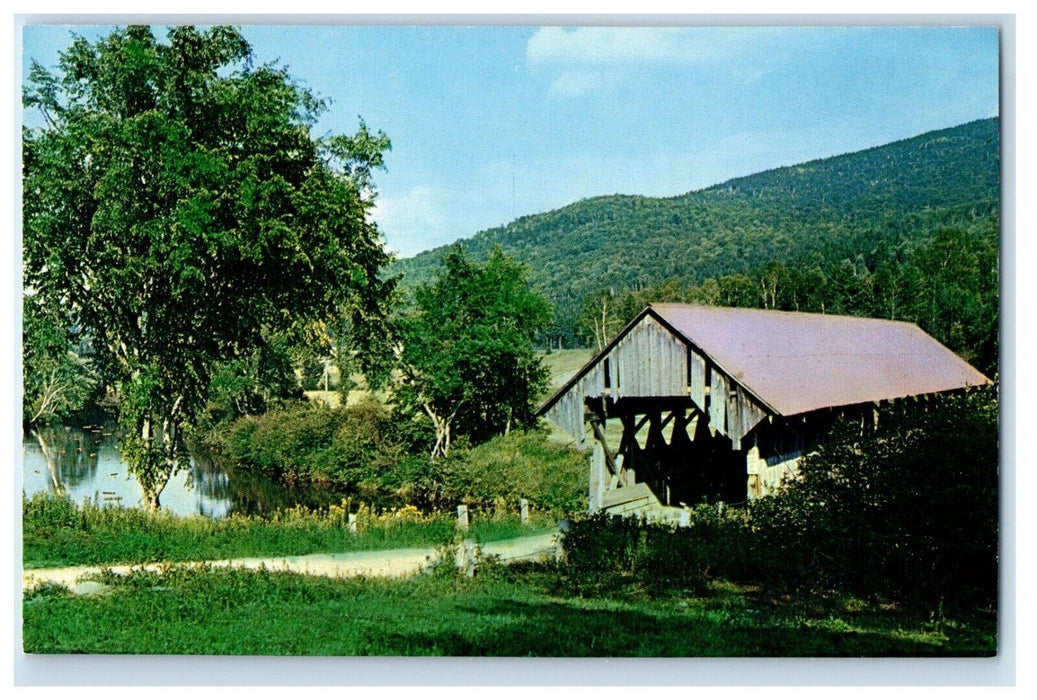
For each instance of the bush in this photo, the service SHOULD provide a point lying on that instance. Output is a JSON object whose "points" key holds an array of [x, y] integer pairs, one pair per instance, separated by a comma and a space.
{"points": [[605, 550], [45, 512], [383, 457], [907, 509], [313, 442], [522, 464], [904, 510]]}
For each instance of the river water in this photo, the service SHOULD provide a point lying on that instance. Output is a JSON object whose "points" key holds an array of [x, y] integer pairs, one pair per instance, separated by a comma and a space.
{"points": [[87, 464]]}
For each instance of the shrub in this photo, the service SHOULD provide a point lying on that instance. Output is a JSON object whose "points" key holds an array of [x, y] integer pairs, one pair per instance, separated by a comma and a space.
{"points": [[46, 512], [313, 442], [522, 464], [907, 509], [606, 550], [382, 456]]}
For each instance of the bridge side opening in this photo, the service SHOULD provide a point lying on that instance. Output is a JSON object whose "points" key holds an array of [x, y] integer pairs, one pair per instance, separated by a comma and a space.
{"points": [[663, 454]]}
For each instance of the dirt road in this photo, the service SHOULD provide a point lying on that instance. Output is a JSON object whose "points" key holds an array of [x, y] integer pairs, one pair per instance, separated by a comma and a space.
{"points": [[384, 563]]}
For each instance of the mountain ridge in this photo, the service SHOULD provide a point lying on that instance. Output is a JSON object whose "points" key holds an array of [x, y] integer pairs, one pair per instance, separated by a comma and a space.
{"points": [[816, 212]]}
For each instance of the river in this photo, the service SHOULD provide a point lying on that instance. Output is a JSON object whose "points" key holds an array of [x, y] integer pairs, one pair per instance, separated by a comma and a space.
{"points": [[86, 464]]}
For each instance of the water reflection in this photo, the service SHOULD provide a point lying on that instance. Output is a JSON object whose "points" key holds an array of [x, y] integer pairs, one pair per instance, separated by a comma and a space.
{"points": [[86, 464], [70, 456]]}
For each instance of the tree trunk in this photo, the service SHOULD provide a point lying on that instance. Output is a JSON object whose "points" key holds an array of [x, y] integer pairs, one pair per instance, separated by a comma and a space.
{"points": [[442, 428], [151, 499], [49, 457], [160, 455], [601, 331]]}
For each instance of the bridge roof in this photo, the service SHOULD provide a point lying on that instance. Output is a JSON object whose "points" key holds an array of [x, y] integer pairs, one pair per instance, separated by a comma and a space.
{"points": [[798, 362]]}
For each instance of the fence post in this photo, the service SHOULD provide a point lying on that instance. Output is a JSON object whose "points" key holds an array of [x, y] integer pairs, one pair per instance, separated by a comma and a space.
{"points": [[351, 522], [684, 518], [598, 479], [464, 558], [524, 511], [462, 518]]}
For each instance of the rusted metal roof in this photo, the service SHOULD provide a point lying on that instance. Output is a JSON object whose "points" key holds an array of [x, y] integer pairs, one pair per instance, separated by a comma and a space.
{"points": [[800, 362]]}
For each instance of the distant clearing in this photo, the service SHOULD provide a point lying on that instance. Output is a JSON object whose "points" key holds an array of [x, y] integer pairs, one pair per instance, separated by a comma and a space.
{"points": [[563, 364]]}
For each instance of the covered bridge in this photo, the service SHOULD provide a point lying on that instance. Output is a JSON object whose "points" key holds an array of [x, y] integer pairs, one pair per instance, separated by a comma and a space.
{"points": [[721, 403]]}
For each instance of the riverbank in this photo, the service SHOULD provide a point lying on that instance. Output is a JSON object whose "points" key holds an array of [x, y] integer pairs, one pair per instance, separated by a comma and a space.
{"points": [[59, 533]]}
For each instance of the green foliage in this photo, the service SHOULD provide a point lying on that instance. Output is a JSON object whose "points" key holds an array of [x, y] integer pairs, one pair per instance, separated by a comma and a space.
{"points": [[907, 509], [43, 513], [375, 454], [518, 465], [176, 207], [599, 319], [605, 551], [313, 374], [902, 511], [832, 220], [467, 358], [58, 380], [250, 385], [311, 441]]}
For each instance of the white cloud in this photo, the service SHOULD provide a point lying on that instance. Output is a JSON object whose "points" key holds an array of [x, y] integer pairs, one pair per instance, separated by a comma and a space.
{"points": [[409, 220], [584, 60], [577, 82], [638, 45]]}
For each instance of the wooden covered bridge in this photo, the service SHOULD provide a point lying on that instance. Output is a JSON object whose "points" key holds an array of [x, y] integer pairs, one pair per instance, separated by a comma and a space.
{"points": [[722, 403]]}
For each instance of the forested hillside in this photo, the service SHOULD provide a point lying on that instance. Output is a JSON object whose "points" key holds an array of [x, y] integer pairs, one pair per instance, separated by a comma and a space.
{"points": [[908, 230]]}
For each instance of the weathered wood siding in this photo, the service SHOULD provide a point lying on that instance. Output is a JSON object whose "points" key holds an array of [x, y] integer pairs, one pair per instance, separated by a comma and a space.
{"points": [[776, 450], [567, 414], [742, 415], [718, 402], [766, 473], [698, 379], [732, 411], [648, 361]]}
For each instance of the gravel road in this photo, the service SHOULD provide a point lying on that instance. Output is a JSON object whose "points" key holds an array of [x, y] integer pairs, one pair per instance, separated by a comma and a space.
{"points": [[385, 563]]}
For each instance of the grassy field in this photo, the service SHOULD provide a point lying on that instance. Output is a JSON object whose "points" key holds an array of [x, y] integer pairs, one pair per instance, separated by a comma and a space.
{"points": [[549, 609], [57, 532], [563, 364], [527, 610]]}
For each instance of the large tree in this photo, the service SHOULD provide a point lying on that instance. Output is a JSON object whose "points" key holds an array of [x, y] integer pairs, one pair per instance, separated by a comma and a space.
{"points": [[178, 208], [57, 378], [467, 355]]}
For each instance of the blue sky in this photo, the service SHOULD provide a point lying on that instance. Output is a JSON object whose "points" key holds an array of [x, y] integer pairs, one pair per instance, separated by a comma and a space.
{"points": [[490, 123]]}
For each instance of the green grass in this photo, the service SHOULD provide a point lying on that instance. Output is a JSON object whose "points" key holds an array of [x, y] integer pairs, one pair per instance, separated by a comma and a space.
{"points": [[57, 532], [528, 610], [563, 364]]}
